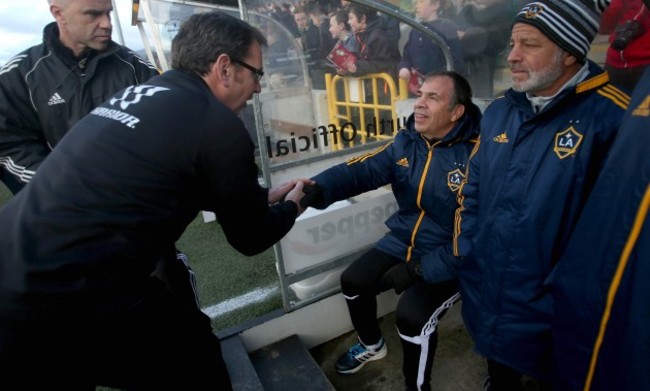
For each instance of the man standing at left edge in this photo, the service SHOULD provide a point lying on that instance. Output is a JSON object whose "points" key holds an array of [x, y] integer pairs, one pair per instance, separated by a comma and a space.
{"points": [[47, 88], [78, 304]]}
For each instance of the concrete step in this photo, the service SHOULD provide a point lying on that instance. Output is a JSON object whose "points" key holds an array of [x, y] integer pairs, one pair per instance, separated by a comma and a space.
{"points": [[288, 365], [242, 372]]}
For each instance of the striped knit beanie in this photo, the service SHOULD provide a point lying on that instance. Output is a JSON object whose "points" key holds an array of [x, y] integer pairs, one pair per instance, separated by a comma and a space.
{"points": [[571, 24]]}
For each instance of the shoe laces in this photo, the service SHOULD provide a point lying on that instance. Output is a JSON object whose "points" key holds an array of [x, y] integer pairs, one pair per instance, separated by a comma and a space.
{"points": [[357, 350]]}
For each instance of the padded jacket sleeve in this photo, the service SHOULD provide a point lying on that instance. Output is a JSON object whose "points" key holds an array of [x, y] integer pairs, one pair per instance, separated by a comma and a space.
{"points": [[22, 146]]}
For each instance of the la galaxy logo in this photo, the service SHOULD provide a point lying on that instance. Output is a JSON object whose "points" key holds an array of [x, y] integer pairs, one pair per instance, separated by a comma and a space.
{"points": [[454, 179], [533, 11], [567, 142], [136, 93]]}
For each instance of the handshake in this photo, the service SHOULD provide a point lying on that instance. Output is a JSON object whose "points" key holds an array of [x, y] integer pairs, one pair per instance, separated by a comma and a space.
{"points": [[304, 192]]}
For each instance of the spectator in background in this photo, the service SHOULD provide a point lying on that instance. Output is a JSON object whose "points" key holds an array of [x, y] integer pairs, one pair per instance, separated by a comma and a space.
{"points": [[540, 151], [628, 55], [326, 43], [308, 34], [310, 40], [322, 22], [484, 27], [422, 53], [282, 13], [601, 331], [79, 244], [377, 52], [448, 10], [341, 31], [391, 27], [423, 165], [278, 44]]}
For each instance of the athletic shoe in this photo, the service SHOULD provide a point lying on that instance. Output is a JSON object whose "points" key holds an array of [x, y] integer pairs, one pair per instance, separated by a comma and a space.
{"points": [[359, 355]]}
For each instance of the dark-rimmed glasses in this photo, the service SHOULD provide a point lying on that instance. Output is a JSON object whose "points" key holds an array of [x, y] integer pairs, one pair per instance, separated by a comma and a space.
{"points": [[257, 72]]}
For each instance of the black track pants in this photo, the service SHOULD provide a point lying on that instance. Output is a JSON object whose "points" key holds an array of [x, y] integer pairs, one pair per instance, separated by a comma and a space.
{"points": [[418, 311]]}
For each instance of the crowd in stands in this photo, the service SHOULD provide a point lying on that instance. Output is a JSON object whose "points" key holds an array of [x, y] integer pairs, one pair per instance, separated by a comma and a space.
{"points": [[476, 33], [534, 210]]}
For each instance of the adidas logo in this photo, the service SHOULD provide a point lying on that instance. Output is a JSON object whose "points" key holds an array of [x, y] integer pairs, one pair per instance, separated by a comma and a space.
{"points": [[404, 162], [55, 99]]}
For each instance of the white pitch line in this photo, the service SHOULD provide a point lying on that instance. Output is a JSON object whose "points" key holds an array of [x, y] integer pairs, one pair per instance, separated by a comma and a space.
{"points": [[229, 305]]}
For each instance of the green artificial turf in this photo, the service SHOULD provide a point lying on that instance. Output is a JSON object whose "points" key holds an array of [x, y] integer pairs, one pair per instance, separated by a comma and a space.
{"points": [[222, 273]]}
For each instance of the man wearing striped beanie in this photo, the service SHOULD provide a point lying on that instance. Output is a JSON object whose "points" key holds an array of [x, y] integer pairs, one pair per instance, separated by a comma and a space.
{"points": [[571, 25], [540, 150]]}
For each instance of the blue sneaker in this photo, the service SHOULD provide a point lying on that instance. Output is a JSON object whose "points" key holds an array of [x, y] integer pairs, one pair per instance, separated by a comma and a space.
{"points": [[359, 355]]}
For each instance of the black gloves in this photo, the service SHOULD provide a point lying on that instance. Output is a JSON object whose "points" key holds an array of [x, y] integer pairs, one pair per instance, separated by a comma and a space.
{"points": [[401, 276], [314, 197]]}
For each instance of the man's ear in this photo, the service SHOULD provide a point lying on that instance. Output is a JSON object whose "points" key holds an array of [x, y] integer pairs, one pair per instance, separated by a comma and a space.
{"points": [[222, 70], [57, 13], [569, 60], [457, 112]]}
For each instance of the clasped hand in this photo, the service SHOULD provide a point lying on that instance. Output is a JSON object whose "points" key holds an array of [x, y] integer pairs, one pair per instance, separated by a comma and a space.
{"points": [[290, 191], [402, 276]]}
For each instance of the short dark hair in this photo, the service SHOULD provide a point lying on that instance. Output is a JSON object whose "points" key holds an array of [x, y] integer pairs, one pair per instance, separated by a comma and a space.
{"points": [[341, 16], [462, 94], [300, 10], [203, 37], [361, 10]]}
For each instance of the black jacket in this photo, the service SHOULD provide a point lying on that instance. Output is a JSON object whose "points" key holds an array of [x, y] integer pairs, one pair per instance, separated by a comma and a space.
{"points": [[44, 91], [425, 55], [377, 52], [124, 183]]}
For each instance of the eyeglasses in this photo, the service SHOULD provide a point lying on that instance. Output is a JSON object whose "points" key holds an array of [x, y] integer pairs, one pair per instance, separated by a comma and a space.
{"points": [[257, 72]]}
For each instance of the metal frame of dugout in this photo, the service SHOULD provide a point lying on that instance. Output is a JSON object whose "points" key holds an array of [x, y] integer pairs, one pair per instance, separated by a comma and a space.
{"points": [[291, 125]]}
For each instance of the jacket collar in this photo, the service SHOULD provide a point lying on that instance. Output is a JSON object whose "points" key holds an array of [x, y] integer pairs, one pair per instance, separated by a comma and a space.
{"points": [[52, 42]]}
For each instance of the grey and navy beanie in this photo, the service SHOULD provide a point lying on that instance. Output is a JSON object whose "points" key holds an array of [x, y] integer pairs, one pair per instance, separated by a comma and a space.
{"points": [[571, 24]]}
